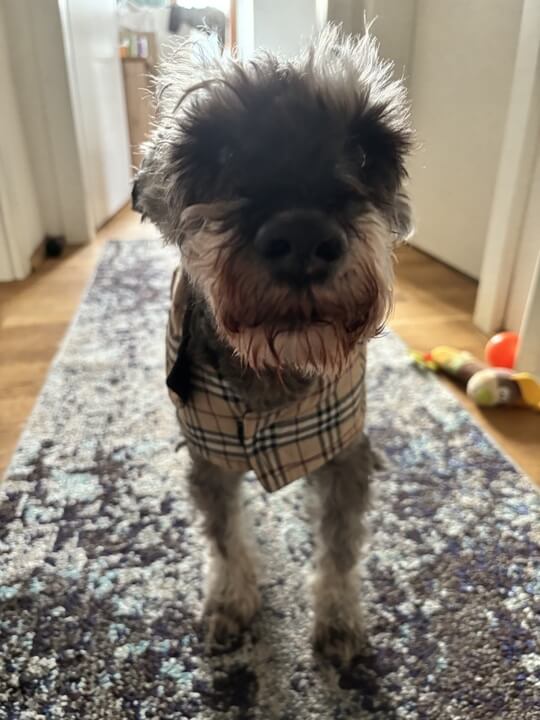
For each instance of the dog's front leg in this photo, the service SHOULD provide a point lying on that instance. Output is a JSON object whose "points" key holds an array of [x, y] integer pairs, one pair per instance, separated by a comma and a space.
{"points": [[342, 487], [232, 597]]}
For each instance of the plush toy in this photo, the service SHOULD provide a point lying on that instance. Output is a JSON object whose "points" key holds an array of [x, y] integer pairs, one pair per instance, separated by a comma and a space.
{"points": [[459, 364], [497, 386], [487, 386]]}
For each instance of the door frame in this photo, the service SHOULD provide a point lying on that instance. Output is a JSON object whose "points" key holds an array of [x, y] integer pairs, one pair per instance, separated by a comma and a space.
{"points": [[514, 178], [528, 357]]}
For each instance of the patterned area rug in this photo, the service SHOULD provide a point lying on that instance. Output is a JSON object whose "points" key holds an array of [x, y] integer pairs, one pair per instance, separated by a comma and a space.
{"points": [[101, 564]]}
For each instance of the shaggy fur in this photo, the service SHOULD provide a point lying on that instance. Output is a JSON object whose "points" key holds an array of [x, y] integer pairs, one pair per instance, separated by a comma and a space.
{"points": [[237, 145]]}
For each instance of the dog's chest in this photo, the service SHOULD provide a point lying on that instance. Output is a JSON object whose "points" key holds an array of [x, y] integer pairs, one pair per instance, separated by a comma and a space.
{"points": [[279, 444]]}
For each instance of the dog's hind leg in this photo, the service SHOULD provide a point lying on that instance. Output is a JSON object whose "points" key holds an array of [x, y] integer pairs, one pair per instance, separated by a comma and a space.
{"points": [[342, 488], [232, 597]]}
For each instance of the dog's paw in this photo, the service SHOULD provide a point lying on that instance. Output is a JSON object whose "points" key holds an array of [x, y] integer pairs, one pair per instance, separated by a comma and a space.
{"points": [[222, 624], [230, 610], [339, 638]]}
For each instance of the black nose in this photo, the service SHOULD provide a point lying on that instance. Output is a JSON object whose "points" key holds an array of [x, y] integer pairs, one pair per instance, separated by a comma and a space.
{"points": [[300, 246]]}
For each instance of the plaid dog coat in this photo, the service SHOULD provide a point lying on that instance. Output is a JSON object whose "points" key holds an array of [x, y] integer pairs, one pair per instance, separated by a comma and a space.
{"points": [[279, 445]]}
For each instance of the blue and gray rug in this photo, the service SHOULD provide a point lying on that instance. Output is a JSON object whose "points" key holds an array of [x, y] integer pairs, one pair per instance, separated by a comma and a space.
{"points": [[101, 563]]}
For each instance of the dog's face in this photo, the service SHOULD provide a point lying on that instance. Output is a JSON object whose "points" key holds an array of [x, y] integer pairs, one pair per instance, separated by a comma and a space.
{"points": [[282, 185]]}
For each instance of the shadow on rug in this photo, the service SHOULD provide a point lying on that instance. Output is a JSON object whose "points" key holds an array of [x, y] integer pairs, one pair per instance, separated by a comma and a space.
{"points": [[101, 570]]}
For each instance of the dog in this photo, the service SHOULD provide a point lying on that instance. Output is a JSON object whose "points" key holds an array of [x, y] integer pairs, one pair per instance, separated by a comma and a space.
{"points": [[283, 185]]}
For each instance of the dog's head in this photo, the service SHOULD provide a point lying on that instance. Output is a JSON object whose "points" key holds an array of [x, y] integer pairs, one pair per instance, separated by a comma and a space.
{"points": [[281, 182]]}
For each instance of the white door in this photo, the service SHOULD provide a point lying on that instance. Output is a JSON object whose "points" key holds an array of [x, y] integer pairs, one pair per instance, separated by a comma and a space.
{"points": [[460, 77], [91, 35], [529, 249], [21, 228]]}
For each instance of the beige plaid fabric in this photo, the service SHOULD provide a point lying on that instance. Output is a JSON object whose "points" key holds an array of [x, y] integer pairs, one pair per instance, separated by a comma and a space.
{"points": [[280, 445]]}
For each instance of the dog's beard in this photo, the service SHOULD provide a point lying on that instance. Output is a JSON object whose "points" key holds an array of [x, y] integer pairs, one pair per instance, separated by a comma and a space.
{"points": [[271, 326]]}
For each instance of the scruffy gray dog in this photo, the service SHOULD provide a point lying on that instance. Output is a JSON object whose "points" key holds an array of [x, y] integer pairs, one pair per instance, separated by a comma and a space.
{"points": [[281, 183]]}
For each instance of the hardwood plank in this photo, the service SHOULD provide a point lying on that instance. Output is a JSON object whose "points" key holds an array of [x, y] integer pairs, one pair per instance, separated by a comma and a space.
{"points": [[434, 306]]}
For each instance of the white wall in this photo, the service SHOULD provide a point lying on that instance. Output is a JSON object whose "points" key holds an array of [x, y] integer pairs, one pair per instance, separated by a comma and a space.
{"points": [[458, 57], [90, 35], [277, 25], [283, 26], [245, 27], [21, 226], [393, 26], [462, 66], [68, 79], [37, 50]]}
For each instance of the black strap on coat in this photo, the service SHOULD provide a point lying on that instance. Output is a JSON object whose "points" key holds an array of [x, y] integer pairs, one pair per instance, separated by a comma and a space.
{"points": [[179, 378]]}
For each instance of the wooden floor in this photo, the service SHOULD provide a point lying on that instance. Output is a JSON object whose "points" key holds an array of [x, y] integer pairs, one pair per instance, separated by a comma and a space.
{"points": [[434, 307]]}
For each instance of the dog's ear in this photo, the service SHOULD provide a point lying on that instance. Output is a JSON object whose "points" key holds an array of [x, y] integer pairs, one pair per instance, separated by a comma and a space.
{"points": [[135, 198], [148, 194], [402, 218], [159, 191]]}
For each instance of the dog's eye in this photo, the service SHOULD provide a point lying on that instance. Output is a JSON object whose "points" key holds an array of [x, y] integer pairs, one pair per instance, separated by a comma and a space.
{"points": [[225, 155], [356, 153], [362, 157]]}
